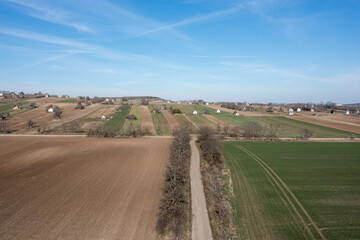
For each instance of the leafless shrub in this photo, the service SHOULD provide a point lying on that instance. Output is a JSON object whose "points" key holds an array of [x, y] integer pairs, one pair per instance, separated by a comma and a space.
{"points": [[272, 132], [235, 131], [306, 133], [57, 113], [4, 127], [252, 129], [31, 124], [146, 130], [226, 129], [173, 205], [4, 116], [131, 117]]}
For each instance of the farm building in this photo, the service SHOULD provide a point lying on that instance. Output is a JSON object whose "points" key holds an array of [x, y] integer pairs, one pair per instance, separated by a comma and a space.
{"points": [[347, 112], [218, 111], [194, 112], [356, 111], [312, 110], [46, 95], [50, 110], [242, 109], [207, 104], [298, 109], [291, 112], [103, 117], [16, 107], [235, 113]]}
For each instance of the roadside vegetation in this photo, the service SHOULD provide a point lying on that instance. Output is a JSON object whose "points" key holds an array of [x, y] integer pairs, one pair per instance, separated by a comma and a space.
{"points": [[216, 180], [295, 190], [174, 210]]}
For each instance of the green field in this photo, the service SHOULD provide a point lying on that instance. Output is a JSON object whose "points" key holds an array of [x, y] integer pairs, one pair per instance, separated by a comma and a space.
{"points": [[8, 107], [68, 101], [287, 127], [135, 110], [295, 190], [161, 125], [184, 122], [116, 123], [198, 119]]}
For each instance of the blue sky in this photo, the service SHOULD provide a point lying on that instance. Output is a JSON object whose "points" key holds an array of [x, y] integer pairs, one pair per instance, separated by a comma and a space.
{"points": [[247, 50]]}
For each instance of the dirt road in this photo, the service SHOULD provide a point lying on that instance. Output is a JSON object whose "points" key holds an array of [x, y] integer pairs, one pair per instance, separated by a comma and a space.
{"points": [[200, 220], [69, 188], [146, 119]]}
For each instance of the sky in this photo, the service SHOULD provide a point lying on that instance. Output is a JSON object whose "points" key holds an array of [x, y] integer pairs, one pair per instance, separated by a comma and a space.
{"points": [[218, 50]]}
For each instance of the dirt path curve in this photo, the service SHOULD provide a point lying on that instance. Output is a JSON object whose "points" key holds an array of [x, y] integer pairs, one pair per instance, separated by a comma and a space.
{"points": [[146, 119], [200, 218], [192, 122]]}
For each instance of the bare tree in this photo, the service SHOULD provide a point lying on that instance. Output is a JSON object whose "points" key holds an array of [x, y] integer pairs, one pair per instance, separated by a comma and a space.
{"points": [[57, 113], [306, 133], [226, 129], [31, 124], [252, 129]]}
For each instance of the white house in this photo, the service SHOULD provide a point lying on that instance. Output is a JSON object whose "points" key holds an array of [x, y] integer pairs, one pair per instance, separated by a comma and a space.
{"points": [[347, 112], [235, 113], [50, 110], [298, 109], [356, 111], [194, 112], [103, 117], [207, 104], [16, 107], [1, 94], [218, 111], [46, 95], [291, 112], [312, 110]]}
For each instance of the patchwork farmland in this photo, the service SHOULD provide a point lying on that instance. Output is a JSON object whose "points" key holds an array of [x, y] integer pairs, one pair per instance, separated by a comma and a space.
{"points": [[295, 190], [72, 188]]}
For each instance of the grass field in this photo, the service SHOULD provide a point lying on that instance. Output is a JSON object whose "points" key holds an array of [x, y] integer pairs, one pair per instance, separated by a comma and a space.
{"points": [[135, 110], [184, 122], [295, 190], [288, 127], [198, 119], [162, 126], [68, 101], [116, 123], [8, 107]]}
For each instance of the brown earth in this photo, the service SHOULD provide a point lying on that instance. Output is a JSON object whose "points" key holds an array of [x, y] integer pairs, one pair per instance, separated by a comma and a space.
{"points": [[44, 119], [45, 100], [68, 188], [171, 119], [146, 119], [217, 121], [332, 123]]}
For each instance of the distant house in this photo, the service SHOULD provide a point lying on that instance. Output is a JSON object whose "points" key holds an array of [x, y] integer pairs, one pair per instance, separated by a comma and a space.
{"points": [[291, 112], [356, 111], [103, 117], [235, 113], [312, 110], [332, 111], [298, 109], [50, 110], [1, 94], [242, 109], [347, 112], [194, 112], [46, 95], [207, 103], [16, 107], [218, 111]]}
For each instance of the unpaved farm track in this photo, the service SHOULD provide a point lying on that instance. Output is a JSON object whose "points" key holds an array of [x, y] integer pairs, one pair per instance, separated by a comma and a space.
{"points": [[290, 200], [69, 188], [171, 119], [200, 219], [146, 119]]}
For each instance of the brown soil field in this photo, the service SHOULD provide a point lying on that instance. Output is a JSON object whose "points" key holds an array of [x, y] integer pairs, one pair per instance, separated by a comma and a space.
{"points": [[245, 113], [332, 123], [146, 119], [44, 119], [217, 121], [45, 100], [68, 188], [171, 119]]}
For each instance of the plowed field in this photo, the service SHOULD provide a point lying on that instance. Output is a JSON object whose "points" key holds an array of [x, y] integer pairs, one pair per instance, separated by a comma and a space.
{"points": [[68, 188]]}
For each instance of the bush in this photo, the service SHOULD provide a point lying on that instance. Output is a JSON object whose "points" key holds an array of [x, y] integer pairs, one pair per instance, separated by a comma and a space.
{"points": [[306, 133], [207, 111], [252, 129], [176, 111], [131, 117]]}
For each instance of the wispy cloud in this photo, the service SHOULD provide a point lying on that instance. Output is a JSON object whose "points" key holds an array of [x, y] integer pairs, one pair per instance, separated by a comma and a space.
{"points": [[52, 15], [196, 19]]}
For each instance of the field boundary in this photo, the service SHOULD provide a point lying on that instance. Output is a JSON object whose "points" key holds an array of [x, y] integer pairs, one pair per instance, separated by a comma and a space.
{"points": [[289, 195], [196, 126]]}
